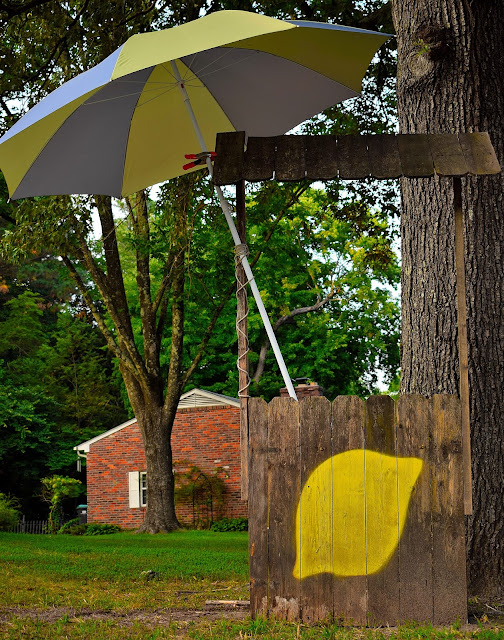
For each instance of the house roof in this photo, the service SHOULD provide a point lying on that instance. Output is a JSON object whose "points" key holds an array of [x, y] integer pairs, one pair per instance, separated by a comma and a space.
{"points": [[193, 399]]}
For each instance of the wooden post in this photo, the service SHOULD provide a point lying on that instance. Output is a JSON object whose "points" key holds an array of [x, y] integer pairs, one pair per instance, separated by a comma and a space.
{"points": [[462, 343], [242, 332]]}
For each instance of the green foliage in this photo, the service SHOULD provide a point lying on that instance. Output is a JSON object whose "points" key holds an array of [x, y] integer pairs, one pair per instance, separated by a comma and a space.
{"points": [[69, 526], [335, 243], [57, 381], [230, 524], [75, 528], [9, 512], [204, 492], [55, 490], [101, 529]]}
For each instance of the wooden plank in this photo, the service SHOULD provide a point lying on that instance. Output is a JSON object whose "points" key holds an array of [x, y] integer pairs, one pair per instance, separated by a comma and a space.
{"points": [[258, 505], [290, 158], [463, 344], [448, 529], [320, 157], [315, 544], [415, 154], [350, 592], [244, 445], [283, 492], [228, 166], [447, 155], [259, 162], [382, 583], [479, 153], [415, 546], [352, 157], [383, 153]]}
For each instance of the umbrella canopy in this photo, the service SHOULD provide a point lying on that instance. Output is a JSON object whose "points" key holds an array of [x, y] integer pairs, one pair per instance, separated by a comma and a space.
{"points": [[123, 125]]}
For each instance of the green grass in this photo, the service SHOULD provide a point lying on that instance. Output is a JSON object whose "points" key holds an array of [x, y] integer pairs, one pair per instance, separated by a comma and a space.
{"points": [[106, 571], [81, 588]]}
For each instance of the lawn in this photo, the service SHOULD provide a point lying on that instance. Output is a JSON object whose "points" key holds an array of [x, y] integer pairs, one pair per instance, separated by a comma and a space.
{"points": [[65, 587]]}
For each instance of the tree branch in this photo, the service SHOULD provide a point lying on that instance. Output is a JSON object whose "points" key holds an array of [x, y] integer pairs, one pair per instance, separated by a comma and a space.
{"points": [[137, 15], [17, 10], [147, 314], [294, 198], [124, 336], [107, 334], [207, 335], [7, 218], [283, 320]]}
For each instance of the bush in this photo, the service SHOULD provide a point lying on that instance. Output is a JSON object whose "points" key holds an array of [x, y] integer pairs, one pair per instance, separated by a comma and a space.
{"points": [[100, 529], [230, 524], [73, 528], [9, 512]]}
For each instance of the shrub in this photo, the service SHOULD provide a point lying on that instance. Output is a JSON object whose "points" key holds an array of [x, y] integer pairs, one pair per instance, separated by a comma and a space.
{"points": [[73, 528], [54, 491], [9, 512], [101, 529], [230, 524]]}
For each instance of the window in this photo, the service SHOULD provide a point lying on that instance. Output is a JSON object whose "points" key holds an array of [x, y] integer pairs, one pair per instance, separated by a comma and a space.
{"points": [[137, 481], [143, 488]]}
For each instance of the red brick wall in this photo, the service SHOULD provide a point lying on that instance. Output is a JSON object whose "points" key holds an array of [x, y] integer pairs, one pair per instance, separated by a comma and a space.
{"points": [[208, 438]]}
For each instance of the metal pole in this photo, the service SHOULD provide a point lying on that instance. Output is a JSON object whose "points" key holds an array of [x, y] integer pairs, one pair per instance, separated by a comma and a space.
{"points": [[226, 210]]}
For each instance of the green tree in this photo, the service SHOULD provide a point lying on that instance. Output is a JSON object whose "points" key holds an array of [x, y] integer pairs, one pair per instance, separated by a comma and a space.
{"points": [[162, 242], [55, 490], [57, 388]]}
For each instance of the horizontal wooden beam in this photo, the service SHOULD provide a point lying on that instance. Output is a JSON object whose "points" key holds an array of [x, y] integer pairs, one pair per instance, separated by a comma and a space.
{"points": [[383, 157]]}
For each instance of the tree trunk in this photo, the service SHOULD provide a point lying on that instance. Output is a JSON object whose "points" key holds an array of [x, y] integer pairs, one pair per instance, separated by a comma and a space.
{"points": [[450, 61], [160, 514], [155, 425]]}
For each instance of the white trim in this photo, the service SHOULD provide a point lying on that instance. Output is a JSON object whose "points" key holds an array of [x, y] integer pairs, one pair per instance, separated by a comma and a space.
{"points": [[199, 398], [194, 399], [84, 446]]}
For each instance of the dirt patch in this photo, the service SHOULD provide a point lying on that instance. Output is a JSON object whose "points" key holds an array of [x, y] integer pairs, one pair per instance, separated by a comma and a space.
{"points": [[160, 617]]}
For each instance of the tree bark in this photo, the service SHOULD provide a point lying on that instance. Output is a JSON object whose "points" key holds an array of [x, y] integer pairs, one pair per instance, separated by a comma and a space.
{"points": [[450, 61]]}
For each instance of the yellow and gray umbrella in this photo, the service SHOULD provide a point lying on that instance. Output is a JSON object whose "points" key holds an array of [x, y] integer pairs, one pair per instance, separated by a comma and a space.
{"points": [[122, 125], [129, 122]]}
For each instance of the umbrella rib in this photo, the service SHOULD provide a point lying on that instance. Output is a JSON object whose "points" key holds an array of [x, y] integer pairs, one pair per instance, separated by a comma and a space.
{"points": [[223, 55], [128, 95], [231, 64], [154, 97]]}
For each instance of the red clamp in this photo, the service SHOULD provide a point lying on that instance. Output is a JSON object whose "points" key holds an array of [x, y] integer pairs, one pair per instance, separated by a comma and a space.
{"points": [[198, 158]]}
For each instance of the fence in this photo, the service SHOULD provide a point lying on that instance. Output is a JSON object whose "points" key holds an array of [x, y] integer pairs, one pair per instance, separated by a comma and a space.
{"points": [[30, 526], [356, 509]]}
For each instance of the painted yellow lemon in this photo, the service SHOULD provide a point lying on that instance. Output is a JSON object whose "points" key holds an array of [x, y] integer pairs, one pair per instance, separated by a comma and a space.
{"points": [[352, 512]]}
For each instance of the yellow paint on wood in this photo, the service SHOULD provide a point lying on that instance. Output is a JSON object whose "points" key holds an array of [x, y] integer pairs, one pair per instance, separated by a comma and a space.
{"points": [[352, 512]]}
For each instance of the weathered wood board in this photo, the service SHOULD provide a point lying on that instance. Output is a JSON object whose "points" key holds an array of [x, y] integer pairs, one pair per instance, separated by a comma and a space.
{"points": [[356, 510], [352, 157]]}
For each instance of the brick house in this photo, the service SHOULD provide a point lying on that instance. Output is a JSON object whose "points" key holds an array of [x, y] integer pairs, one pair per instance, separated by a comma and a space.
{"points": [[206, 454]]}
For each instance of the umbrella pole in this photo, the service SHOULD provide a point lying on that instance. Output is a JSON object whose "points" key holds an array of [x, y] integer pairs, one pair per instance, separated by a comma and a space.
{"points": [[226, 210]]}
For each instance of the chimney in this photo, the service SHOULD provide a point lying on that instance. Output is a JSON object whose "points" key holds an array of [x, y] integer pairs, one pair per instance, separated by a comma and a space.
{"points": [[304, 390]]}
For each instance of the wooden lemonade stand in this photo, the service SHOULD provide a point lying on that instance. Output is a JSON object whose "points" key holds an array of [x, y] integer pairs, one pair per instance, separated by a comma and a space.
{"points": [[356, 509]]}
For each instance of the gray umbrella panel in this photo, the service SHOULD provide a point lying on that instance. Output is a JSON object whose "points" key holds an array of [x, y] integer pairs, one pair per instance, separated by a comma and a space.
{"points": [[263, 94]]}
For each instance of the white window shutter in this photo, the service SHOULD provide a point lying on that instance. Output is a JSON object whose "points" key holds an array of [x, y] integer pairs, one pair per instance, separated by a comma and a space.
{"points": [[134, 489]]}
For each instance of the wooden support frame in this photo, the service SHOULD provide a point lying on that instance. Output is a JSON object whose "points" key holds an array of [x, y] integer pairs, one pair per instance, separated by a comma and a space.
{"points": [[383, 157], [463, 344]]}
